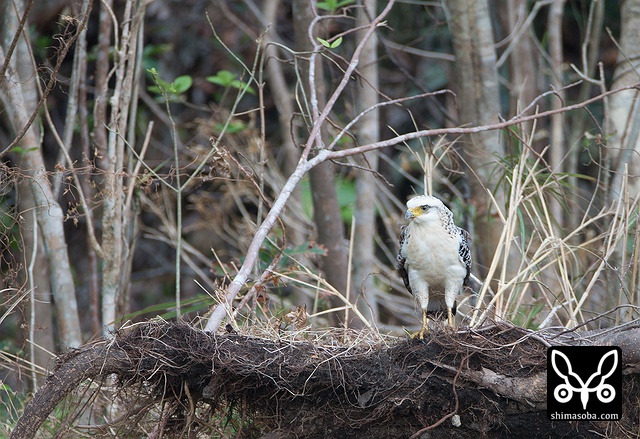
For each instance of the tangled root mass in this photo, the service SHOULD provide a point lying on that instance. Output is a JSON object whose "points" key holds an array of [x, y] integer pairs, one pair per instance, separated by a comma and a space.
{"points": [[176, 381]]}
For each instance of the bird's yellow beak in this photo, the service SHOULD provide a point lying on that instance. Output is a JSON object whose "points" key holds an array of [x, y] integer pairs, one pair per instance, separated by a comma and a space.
{"points": [[416, 211]]}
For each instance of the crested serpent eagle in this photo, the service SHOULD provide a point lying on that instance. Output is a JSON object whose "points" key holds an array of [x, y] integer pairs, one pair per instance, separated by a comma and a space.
{"points": [[434, 260]]}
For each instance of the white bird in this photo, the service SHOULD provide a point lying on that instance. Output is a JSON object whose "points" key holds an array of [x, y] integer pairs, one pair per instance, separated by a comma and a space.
{"points": [[434, 258]]}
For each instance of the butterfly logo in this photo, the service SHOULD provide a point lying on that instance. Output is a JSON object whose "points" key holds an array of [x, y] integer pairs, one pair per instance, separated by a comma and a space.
{"points": [[573, 383]]}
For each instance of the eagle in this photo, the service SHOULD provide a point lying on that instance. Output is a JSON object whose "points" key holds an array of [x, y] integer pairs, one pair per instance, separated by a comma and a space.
{"points": [[434, 260]]}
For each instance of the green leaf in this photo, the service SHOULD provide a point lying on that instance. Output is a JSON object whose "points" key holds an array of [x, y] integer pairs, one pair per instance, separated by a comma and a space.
{"points": [[329, 45], [326, 6], [306, 249], [227, 79], [233, 127], [336, 43], [333, 5], [182, 84], [345, 3], [289, 254], [159, 89], [240, 85], [20, 150], [166, 310], [223, 78], [325, 43], [160, 86], [345, 191], [151, 53]]}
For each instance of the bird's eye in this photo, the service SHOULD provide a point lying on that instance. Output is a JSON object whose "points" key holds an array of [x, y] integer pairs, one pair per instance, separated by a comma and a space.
{"points": [[424, 208]]}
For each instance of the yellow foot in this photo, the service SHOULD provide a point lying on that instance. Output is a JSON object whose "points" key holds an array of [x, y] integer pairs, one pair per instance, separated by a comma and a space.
{"points": [[450, 319], [420, 335], [425, 327]]}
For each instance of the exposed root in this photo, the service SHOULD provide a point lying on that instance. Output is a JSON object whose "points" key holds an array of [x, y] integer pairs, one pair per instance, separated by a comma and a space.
{"points": [[177, 381]]}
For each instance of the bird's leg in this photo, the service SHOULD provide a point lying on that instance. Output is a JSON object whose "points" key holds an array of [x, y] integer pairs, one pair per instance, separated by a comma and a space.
{"points": [[425, 327], [450, 317]]}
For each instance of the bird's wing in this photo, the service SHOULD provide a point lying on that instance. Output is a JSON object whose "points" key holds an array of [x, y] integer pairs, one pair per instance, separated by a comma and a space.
{"points": [[465, 252], [400, 260]]}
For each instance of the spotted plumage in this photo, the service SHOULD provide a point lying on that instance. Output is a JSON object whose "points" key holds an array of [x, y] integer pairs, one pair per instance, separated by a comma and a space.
{"points": [[434, 260]]}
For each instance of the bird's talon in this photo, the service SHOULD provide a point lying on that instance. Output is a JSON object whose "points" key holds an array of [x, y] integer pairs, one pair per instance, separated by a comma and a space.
{"points": [[421, 334]]}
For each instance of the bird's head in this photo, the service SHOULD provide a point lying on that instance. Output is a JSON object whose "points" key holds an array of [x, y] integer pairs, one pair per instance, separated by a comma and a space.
{"points": [[423, 207]]}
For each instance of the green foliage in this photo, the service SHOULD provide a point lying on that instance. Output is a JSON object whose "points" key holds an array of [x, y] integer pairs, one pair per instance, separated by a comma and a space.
{"points": [[181, 84], [527, 319], [167, 310], [346, 191], [333, 5], [169, 89], [227, 79], [10, 407], [329, 45], [40, 43], [290, 254], [234, 127], [554, 185], [9, 230], [21, 151]]}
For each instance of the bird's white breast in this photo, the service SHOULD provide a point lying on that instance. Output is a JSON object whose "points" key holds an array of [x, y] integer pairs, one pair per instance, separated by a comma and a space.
{"points": [[432, 253]]}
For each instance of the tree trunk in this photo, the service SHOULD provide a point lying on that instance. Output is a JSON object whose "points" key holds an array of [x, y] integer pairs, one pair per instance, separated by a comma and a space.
{"points": [[20, 96], [280, 91], [115, 236], [39, 331], [362, 283], [622, 124], [522, 62], [624, 117], [326, 210], [478, 101], [558, 147]]}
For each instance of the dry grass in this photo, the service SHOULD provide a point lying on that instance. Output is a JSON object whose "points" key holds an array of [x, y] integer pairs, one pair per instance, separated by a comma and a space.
{"points": [[573, 271]]}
